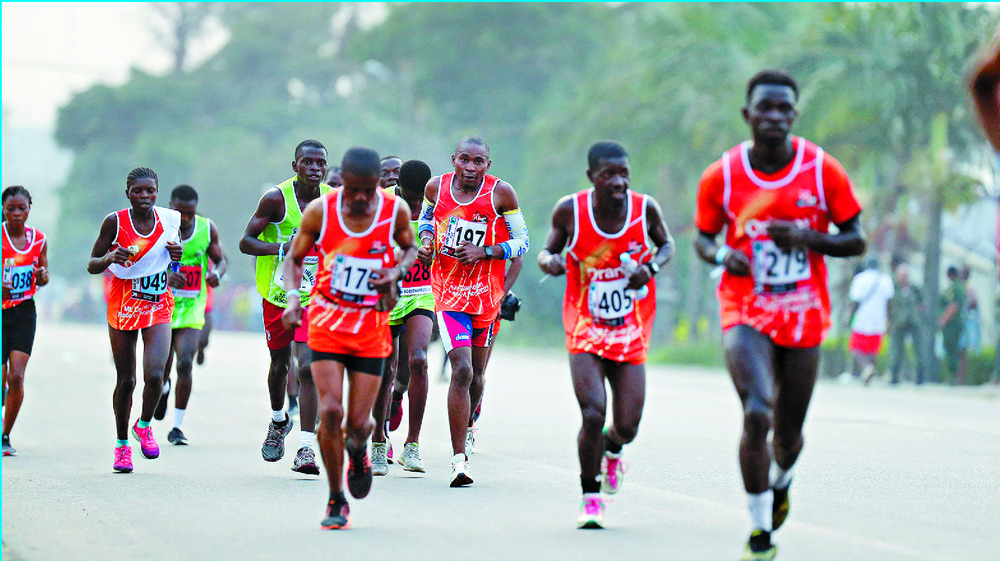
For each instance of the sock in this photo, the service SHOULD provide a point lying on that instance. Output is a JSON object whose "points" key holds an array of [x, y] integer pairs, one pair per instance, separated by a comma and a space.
{"points": [[397, 396], [178, 417], [338, 497], [307, 440], [591, 485], [279, 416], [120, 443], [760, 506], [143, 424], [611, 446], [780, 478], [166, 387]]}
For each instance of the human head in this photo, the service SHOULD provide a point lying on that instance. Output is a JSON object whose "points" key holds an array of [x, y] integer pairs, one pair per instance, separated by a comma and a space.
{"points": [[413, 177], [953, 273], [389, 174], [471, 160], [902, 274], [965, 272], [770, 106], [141, 188], [360, 172], [184, 199], [333, 177], [16, 204], [609, 171], [310, 163]]}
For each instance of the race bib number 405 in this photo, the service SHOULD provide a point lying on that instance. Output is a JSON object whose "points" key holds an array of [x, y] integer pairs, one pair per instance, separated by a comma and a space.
{"points": [[150, 288], [609, 302], [351, 279], [775, 270], [19, 280], [462, 231]]}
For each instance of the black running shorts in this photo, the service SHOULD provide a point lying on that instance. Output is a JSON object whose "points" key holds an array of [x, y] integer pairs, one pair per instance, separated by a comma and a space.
{"points": [[19, 328], [352, 363]]}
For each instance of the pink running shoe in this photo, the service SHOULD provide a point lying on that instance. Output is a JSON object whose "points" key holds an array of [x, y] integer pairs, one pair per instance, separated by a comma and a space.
{"points": [[591, 512], [613, 470], [147, 444], [123, 459]]}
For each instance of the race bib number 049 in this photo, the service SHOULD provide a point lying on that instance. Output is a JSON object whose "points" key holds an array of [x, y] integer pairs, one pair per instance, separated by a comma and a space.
{"points": [[462, 231], [150, 288], [351, 279], [609, 302], [774, 267]]}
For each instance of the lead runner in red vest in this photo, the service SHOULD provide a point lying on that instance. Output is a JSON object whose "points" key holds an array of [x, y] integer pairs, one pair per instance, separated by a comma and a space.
{"points": [[469, 225], [355, 289], [615, 241], [776, 196], [137, 245]]}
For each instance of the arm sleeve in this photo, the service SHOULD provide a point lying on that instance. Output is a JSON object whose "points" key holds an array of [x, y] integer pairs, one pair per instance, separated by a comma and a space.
{"points": [[425, 223], [518, 243]]}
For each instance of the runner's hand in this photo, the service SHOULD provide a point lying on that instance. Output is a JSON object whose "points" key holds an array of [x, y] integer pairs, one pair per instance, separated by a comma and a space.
{"points": [[386, 302], [468, 253], [292, 316], [426, 252], [786, 234], [212, 279], [556, 265], [176, 280], [120, 255], [737, 263], [383, 280], [175, 250], [42, 274], [639, 278]]}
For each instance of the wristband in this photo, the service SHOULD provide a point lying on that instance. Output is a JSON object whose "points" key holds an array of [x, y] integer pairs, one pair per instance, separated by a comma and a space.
{"points": [[290, 293], [720, 255]]}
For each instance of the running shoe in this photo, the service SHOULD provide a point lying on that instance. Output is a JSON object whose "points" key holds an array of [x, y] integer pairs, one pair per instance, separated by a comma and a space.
{"points": [[470, 440], [305, 461], [759, 547], [274, 444], [479, 411], [8, 450], [613, 470], [460, 476], [338, 517], [591, 512], [359, 474], [176, 437], [395, 413], [161, 406], [780, 509], [147, 444], [410, 458], [200, 357], [380, 462], [123, 459], [388, 454]]}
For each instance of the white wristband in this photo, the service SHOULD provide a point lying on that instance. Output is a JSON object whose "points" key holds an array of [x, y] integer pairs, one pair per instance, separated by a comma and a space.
{"points": [[720, 255], [290, 293]]}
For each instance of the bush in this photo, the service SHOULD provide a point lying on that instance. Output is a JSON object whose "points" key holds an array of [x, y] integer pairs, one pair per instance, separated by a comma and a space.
{"points": [[705, 352]]}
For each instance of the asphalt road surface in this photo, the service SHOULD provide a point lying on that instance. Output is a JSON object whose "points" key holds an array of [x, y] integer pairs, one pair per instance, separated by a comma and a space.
{"points": [[887, 473]]}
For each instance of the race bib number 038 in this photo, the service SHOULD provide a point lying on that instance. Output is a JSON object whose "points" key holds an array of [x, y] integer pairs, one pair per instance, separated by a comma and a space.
{"points": [[150, 288], [19, 279], [609, 302], [774, 268], [462, 231], [351, 279]]}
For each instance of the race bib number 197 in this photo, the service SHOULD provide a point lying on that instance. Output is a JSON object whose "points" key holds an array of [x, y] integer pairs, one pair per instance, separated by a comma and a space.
{"points": [[462, 231]]}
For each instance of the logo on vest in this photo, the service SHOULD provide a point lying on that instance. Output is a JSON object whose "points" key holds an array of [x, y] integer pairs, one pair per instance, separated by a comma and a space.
{"points": [[806, 199], [758, 228]]}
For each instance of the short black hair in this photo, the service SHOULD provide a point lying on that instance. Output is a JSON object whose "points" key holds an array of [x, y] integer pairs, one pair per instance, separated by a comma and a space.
{"points": [[776, 77], [472, 139], [308, 144], [952, 272], [413, 176], [15, 190], [604, 150], [361, 161], [390, 157], [185, 193], [140, 173]]}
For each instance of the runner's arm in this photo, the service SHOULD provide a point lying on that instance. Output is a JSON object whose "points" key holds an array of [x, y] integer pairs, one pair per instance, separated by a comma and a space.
{"points": [[550, 259], [513, 271], [269, 209], [505, 199], [403, 235], [217, 255], [659, 234], [849, 241], [42, 268], [425, 222], [302, 243], [102, 256]]}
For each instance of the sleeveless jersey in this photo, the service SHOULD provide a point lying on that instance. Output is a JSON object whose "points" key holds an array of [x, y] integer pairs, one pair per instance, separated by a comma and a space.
{"points": [[190, 300], [475, 289], [342, 315], [786, 296], [270, 282], [19, 266], [601, 316], [144, 300]]}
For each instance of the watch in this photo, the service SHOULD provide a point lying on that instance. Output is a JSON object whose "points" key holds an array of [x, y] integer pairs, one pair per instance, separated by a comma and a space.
{"points": [[653, 267], [489, 252]]}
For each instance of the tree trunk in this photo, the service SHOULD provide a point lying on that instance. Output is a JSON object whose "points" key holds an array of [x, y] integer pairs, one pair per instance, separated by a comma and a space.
{"points": [[932, 268]]}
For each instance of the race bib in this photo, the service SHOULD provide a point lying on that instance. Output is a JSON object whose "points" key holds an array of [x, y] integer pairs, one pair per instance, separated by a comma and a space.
{"points": [[192, 282], [417, 280], [775, 270], [461, 231], [609, 302], [19, 280], [350, 279], [310, 263], [150, 288]]}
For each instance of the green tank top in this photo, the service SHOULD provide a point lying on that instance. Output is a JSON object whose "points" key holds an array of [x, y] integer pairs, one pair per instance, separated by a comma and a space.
{"points": [[270, 283], [194, 261]]}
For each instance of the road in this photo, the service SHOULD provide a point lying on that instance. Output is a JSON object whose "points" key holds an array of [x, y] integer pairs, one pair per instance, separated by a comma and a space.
{"points": [[887, 473]]}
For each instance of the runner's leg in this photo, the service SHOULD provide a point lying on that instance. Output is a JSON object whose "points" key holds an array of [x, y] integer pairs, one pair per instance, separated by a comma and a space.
{"points": [[328, 376], [18, 361], [591, 394], [795, 371], [155, 348], [185, 347], [628, 395], [459, 399], [308, 400], [750, 359], [123, 351], [418, 338]]}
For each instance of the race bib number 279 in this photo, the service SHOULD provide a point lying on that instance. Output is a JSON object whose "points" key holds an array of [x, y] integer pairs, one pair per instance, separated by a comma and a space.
{"points": [[773, 267]]}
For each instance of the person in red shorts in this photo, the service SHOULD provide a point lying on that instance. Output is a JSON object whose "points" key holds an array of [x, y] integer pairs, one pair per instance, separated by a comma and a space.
{"points": [[138, 245], [871, 291], [615, 241], [469, 226], [776, 197], [355, 289]]}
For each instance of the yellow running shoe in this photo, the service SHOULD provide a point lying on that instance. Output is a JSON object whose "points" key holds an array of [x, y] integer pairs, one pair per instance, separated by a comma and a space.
{"points": [[780, 509], [759, 547]]}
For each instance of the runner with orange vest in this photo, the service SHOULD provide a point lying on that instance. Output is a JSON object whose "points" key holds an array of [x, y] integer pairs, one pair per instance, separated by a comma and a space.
{"points": [[615, 241], [138, 245]]}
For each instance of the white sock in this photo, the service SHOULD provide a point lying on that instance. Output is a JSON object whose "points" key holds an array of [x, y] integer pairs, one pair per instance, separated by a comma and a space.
{"points": [[278, 416], [780, 478], [178, 417], [166, 387], [307, 440], [760, 509]]}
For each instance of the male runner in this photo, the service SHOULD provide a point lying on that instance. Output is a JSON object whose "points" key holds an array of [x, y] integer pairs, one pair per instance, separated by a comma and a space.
{"points": [[607, 312], [269, 236], [137, 245], [460, 232], [776, 195], [190, 287], [355, 227]]}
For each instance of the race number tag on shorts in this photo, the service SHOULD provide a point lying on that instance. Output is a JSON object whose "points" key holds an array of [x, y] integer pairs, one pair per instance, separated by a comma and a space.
{"points": [[461, 231], [417, 280], [775, 270], [150, 288], [192, 282], [609, 302], [19, 279], [351, 279], [309, 265]]}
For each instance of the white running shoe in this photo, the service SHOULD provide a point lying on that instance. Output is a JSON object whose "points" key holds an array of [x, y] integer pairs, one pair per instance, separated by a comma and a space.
{"points": [[410, 458], [613, 472], [591, 512], [380, 463], [470, 440], [460, 476]]}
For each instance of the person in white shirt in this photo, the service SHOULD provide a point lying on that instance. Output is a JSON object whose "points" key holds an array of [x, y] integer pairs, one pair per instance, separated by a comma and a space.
{"points": [[871, 290]]}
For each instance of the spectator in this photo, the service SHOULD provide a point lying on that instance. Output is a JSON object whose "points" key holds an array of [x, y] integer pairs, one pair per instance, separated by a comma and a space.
{"points": [[973, 333], [952, 324], [871, 290], [905, 313]]}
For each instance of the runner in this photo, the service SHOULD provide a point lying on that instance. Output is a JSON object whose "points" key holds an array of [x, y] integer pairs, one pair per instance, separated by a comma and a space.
{"points": [[348, 323], [268, 236], [25, 268], [460, 225], [201, 245], [776, 196], [609, 233], [137, 245], [333, 177]]}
